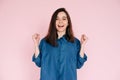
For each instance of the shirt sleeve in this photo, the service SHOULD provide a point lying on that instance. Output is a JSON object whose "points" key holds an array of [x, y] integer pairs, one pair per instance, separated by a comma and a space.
{"points": [[37, 60], [80, 60]]}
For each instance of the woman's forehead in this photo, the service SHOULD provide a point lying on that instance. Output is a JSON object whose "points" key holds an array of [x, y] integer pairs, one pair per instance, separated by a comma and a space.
{"points": [[62, 14]]}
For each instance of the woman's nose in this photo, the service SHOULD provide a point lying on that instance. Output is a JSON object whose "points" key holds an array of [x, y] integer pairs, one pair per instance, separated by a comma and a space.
{"points": [[60, 21]]}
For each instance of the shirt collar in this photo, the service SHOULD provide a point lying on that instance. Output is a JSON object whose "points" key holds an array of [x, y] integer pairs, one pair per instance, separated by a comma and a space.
{"points": [[63, 38]]}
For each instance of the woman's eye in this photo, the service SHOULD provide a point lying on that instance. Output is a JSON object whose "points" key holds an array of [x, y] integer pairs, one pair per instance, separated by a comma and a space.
{"points": [[64, 19]]}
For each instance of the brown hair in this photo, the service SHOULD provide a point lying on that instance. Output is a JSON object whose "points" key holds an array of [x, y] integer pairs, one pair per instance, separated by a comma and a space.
{"points": [[52, 35]]}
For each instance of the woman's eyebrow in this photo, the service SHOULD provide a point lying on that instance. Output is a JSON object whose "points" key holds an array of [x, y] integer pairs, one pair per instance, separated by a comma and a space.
{"points": [[62, 17]]}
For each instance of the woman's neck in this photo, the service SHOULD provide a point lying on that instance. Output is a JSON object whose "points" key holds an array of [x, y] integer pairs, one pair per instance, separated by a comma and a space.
{"points": [[60, 34]]}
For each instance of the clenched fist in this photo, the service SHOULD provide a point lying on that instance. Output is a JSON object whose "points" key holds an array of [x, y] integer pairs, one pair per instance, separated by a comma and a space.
{"points": [[84, 39], [36, 39]]}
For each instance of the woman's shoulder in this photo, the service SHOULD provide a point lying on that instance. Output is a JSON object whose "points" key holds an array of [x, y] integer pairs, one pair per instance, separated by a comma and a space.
{"points": [[76, 40], [42, 40]]}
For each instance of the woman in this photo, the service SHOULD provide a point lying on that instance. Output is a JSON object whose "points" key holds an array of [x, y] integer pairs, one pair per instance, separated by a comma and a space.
{"points": [[59, 53]]}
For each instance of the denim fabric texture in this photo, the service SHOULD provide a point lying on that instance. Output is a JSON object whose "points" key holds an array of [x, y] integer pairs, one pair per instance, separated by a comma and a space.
{"points": [[61, 62]]}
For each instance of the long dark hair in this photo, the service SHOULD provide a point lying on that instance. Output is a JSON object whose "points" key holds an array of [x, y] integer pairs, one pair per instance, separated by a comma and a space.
{"points": [[52, 35]]}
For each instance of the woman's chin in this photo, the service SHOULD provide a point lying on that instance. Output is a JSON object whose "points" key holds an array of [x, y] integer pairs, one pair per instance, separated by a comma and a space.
{"points": [[61, 30]]}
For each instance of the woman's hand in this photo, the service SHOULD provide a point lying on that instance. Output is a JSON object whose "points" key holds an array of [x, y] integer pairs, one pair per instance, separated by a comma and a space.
{"points": [[84, 39], [36, 39]]}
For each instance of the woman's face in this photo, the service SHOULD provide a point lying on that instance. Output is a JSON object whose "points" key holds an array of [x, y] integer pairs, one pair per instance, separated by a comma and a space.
{"points": [[61, 22]]}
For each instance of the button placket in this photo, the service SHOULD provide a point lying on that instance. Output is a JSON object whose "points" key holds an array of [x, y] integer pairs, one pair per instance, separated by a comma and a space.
{"points": [[59, 59]]}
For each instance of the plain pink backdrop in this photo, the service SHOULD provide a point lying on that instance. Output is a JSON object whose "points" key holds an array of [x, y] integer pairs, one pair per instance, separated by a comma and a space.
{"points": [[98, 19]]}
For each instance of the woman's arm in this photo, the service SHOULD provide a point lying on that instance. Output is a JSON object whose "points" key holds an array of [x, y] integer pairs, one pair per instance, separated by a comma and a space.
{"points": [[36, 39], [82, 51], [37, 54], [37, 51], [84, 39]]}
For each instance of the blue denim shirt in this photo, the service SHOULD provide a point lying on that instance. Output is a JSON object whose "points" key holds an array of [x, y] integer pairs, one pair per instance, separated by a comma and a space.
{"points": [[61, 62]]}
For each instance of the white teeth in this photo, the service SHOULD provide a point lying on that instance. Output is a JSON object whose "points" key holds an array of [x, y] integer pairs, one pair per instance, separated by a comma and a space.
{"points": [[60, 26]]}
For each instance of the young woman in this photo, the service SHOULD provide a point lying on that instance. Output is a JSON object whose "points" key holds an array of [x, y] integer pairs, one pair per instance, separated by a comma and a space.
{"points": [[59, 53]]}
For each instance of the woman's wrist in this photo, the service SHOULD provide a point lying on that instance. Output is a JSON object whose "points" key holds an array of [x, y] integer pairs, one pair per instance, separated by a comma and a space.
{"points": [[82, 51], [36, 50], [82, 45], [36, 45]]}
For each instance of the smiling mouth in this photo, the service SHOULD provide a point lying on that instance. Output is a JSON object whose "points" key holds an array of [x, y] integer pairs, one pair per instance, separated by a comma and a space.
{"points": [[60, 26]]}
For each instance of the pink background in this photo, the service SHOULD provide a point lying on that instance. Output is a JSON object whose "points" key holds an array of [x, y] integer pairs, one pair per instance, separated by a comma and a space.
{"points": [[98, 19]]}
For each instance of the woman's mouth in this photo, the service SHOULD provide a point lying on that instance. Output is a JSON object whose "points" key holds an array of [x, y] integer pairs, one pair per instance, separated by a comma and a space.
{"points": [[60, 26]]}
